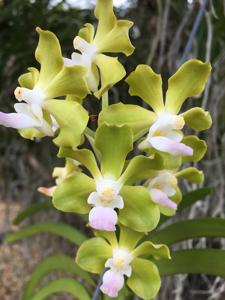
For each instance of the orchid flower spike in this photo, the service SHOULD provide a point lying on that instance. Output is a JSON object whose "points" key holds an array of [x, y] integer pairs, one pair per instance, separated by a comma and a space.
{"points": [[111, 36], [107, 194], [124, 260], [36, 114], [164, 190]]}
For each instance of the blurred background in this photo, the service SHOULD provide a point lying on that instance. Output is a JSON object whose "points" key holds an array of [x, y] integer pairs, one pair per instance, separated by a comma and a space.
{"points": [[166, 32]]}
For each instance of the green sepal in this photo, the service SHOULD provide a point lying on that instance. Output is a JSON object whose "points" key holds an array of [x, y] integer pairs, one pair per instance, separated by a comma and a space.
{"points": [[72, 119], [199, 147], [197, 118], [113, 143], [85, 157], [148, 249], [29, 79], [139, 212], [191, 174], [92, 255], [109, 236], [87, 32], [49, 55], [72, 194], [137, 118], [31, 133], [188, 81], [146, 84], [145, 279], [129, 238]]}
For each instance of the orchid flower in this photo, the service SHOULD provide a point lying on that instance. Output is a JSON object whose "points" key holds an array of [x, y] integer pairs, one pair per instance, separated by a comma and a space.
{"points": [[164, 190], [123, 259], [164, 124], [110, 188], [111, 36], [37, 114]]}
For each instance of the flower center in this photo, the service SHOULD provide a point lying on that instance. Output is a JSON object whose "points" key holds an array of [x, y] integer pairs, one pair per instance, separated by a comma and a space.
{"points": [[108, 189], [88, 50], [35, 96], [121, 259]]}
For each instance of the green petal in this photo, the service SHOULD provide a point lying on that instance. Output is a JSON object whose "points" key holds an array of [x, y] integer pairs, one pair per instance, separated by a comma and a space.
{"points": [[137, 118], [87, 32], [85, 157], [109, 236], [197, 118], [147, 248], [199, 147], [175, 198], [188, 81], [72, 119], [141, 167], [69, 81], [49, 55], [111, 72], [106, 18], [72, 194], [113, 143], [129, 238], [146, 84], [92, 255], [145, 279], [29, 79], [31, 133], [117, 40], [139, 212], [170, 162], [191, 174]]}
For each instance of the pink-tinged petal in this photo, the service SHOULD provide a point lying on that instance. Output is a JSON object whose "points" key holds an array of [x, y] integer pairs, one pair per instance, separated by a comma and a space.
{"points": [[112, 283], [68, 62], [103, 218], [47, 191], [161, 198], [17, 120], [174, 148]]}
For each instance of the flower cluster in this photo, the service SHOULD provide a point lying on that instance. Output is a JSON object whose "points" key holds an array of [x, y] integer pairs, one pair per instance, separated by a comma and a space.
{"points": [[121, 192]]}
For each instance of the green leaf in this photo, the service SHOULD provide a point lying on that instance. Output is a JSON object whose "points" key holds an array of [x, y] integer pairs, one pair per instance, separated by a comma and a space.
{"points": [[63, 285], [148, 249], [189, 229], [71, 128], [29, 79], [49, 265], [72, 194], [32, 210], [146, 84], [139, 212], [197, 118], [113, 143], [92, 255], [145, 280], [199, 147], [188, 81], [49, 55], [194, 261], [85, 157], [191, 174], [62, 230], [137, 118]]}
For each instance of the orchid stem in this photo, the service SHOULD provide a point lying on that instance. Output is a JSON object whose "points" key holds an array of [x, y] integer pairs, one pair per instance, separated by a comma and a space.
{"points": [[97, 290], [89, 132], [105, 100]]}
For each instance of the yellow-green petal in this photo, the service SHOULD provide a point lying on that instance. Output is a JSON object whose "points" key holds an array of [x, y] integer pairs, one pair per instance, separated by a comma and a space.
{"points": [[191, 174], [188, 81], [145, 279], [69, 81], [113, 143], [146, 84], [199, 146], [49, 55], [111, 72], [117, 40], [29, 79], [92, 255], [31, 133], [129, 238], [87, 32], [197, 118], [72, 119], [148, 249]]}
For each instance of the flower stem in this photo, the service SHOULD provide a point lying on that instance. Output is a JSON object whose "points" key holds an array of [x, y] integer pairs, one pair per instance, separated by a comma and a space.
{"points": [[105, 100], [97, 290]]}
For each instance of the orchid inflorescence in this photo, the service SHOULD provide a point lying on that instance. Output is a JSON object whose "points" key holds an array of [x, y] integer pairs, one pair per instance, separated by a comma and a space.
{"points": [[123, 197]]}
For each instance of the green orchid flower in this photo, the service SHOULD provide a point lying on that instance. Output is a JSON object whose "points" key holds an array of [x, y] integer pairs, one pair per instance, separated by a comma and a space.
{"points": [[103, 191], [39, 114], [126, 257], [111, 36], [164, 124]]}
